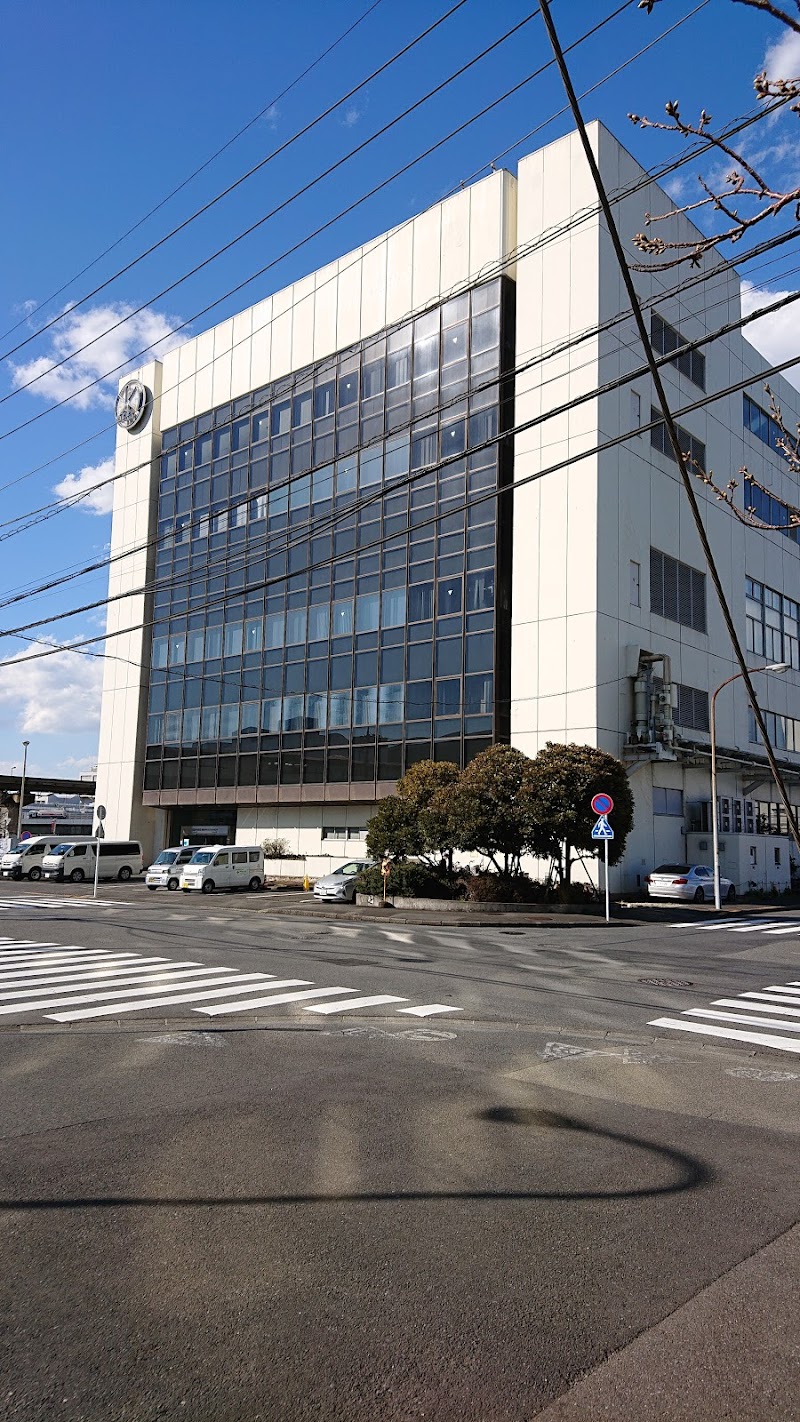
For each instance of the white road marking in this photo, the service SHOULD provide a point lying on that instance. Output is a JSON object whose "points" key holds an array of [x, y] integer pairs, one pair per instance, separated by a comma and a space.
{"points": [[24, 972], [249, 982], [272, 1001], [759, 1039], [429, 1011], [715, 926], [741, 1017], [795, 928], [30, 943], [346, 932], [756, 1006], [15, 960], [118, 1007], [348, 1004], [154, 977], [757, 927], [396, 937], [791, 1001]]}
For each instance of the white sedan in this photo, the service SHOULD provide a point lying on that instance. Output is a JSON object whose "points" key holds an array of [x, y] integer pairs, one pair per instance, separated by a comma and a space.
{"points": [[341, 884], [688, 881]]}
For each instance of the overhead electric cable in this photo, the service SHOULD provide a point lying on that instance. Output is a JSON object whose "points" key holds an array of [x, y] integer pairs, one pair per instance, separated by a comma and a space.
{"points": [[668, 417], [262, 113]]}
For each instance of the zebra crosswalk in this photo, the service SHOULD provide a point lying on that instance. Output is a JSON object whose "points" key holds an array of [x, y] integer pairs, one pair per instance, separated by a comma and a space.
{"points": [[25, 901], [772, 928], [769, 1018], [71, 983]]}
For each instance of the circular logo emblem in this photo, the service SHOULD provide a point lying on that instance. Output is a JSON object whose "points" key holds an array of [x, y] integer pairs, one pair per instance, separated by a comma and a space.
{"points": [[131, 405], [602, 804]]}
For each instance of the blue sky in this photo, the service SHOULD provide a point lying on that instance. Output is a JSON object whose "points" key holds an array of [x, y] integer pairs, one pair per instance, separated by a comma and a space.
{"points": [[107, 111]]}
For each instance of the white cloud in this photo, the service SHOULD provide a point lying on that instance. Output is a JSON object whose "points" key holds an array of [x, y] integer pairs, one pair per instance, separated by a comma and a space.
{"points": [[149, 331], [57, 695], [99, 502], [351, 116], [271, 116], [777, 336], [782, 59]]}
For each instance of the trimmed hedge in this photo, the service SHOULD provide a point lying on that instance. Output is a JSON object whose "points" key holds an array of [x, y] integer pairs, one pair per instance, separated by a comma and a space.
{"points": [[408, 880]]}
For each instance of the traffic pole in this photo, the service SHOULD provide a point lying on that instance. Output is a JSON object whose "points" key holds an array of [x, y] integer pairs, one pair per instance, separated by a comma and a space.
{"points": [[608, 906]]}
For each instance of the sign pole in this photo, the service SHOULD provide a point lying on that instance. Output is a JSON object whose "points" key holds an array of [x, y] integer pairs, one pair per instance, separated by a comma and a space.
{"points": [[608, 907], [101, 834]]}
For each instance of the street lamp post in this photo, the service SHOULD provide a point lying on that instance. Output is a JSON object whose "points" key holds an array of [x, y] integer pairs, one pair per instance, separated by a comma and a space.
{"points": [[772, 667], [22, 788]]}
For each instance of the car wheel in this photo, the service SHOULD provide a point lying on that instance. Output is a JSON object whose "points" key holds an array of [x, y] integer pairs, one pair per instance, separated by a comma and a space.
{"points": [[731, 895], [77, 876], [124, 874], [35, 874], [16, 874], [172, 885], [208, 886], [699, 896], [255, 883]]}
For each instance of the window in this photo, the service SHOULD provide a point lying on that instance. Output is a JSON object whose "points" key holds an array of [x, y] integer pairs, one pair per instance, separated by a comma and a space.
{"points": [[770, 510], [661, 441], [677, 591], [759, 423], [692, 709], [667, 802], [636, 410], [773, 624], [635, 584], [239, 856], [666, 339]]}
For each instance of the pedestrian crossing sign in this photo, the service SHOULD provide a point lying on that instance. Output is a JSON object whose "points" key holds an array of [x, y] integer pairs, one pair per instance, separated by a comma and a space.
{"points": [[601, 829]]}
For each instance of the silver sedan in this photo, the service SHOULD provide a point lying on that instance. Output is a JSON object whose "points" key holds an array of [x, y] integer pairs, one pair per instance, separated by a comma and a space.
{"points": [[341, 884], [688, 881]]}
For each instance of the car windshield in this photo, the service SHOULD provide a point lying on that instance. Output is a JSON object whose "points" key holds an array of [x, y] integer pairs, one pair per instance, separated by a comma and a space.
{"points": [[61, 849], [672, 869], [167, 856], [203, 856]]}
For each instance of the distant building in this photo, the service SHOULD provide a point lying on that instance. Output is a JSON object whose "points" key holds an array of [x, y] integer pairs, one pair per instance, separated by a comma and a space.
{"points": [[58, 814], [330, 578]]}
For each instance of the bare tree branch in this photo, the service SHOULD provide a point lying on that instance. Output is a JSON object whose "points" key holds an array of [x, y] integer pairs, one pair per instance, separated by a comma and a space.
{"points": [[771, 9]]}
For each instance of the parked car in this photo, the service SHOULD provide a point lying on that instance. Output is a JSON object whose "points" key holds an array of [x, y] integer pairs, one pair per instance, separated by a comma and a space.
{"points": [[165, 871], [341, 884], [224, 866], [687, 881], [75, 860], [25, 862]]}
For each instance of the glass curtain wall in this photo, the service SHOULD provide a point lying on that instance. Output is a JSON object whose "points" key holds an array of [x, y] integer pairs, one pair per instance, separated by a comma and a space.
{"points": [[333, 564]]}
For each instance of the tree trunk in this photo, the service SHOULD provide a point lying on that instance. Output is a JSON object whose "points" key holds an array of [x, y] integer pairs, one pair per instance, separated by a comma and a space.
{"points": [[567, 863]]}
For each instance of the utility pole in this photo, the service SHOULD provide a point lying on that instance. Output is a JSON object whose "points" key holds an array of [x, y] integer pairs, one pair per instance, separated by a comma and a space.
{"points": [[22, 788]]}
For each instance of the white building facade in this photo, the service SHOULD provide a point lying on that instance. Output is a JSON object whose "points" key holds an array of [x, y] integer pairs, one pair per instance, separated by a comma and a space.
{"points": [[419, 502]]}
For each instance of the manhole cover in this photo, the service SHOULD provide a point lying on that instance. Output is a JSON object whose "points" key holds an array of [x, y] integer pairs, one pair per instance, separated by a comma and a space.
{"points": [[667, 982]]}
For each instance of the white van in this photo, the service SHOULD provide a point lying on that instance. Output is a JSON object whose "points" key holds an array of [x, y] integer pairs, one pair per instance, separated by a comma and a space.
{"points": [[75, 860], [224, 866], [25, 862], [165, 872]]}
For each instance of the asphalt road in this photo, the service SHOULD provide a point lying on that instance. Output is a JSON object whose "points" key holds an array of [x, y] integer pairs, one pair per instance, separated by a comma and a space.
{"points": [[530, 1203]]}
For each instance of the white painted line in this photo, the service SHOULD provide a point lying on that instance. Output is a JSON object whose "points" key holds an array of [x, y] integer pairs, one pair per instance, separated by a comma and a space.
{"points": [[792, 1000], [788, 988], [30, 943], [396, 937], [155, 977], [125, 992], [429, 1011], [65, 981], [759, 1039], [23, 972], [17, 960], [716, 925], [345, 932], [348, 1004], [692, 923], [130, 1006], [756, 1006], [758, 927], [795, 928], [271, 1001], [741, 1017]]}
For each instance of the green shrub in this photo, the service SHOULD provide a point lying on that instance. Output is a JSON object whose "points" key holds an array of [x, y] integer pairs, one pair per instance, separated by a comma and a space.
{"points": [[485, 886], [408, 880]]}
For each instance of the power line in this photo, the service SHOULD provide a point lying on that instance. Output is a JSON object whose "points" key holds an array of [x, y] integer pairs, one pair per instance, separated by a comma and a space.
{"points": [[490, 164], [406, 482], [262, 113], [344, 98], [669, 420], [51, 509], [330, 222]]}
